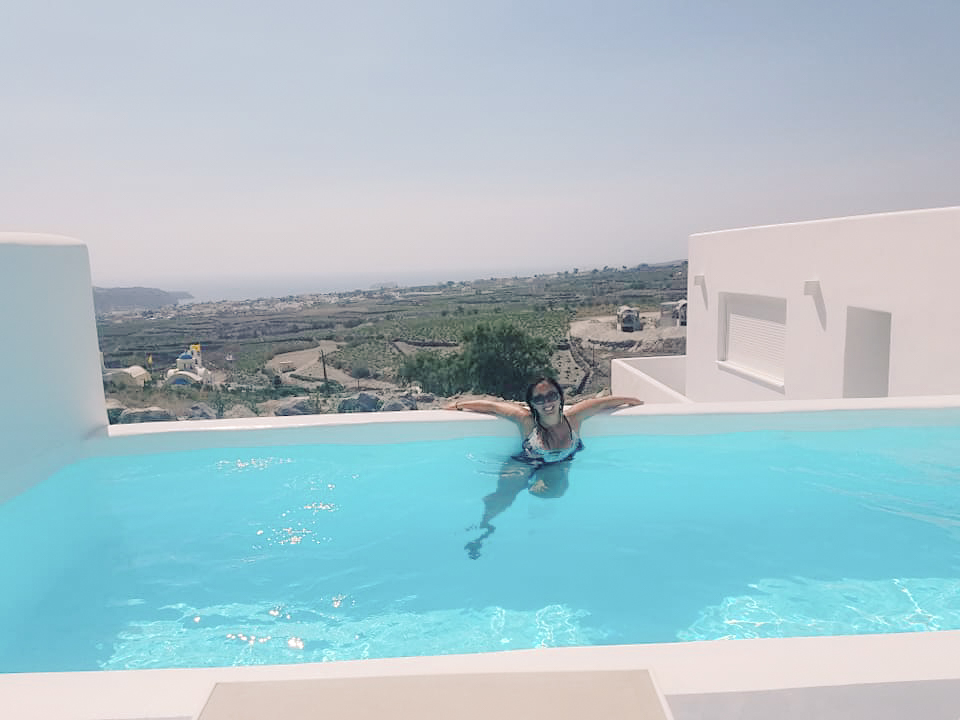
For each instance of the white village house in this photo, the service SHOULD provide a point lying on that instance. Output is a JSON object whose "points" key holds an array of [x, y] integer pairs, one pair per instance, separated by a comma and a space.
{"points": [[133, 376]]}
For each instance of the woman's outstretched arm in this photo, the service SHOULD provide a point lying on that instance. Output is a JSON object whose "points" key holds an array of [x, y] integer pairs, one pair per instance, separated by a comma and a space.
{"points": [[510, 411], [586, 408]]}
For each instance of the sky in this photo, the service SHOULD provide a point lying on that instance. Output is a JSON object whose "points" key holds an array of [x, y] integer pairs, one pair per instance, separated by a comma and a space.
{"points": [[188, 140]]}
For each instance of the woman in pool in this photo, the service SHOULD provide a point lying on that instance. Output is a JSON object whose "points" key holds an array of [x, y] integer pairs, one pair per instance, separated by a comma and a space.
{"points": [[551, 437]]}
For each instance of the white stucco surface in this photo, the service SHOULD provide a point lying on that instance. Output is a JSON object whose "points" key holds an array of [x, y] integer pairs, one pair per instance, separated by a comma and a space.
{"points": [[716, 679], [870, 306], [49, 371], [656, 380]]}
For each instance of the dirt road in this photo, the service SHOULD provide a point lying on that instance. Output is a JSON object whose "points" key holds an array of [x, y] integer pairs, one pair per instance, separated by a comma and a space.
{"points": [[307, 363], [603, 331]]}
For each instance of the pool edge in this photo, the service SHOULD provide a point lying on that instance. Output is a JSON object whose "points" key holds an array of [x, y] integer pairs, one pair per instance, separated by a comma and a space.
{"points": [[687, 670]]}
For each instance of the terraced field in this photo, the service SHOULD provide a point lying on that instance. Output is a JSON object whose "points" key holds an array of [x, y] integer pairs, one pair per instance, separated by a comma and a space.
{"points": [[379, 347]]}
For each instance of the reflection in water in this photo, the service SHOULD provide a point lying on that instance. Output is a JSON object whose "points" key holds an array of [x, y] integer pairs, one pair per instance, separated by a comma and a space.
{"points": [[543, 480]]}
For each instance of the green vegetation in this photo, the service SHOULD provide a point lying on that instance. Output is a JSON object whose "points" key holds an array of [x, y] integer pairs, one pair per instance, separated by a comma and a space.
{"points": [[359, 370], [451, 328], [498, 358], [376, 355], [436, 373], [501, 359], [252, 358], [371, 346]]}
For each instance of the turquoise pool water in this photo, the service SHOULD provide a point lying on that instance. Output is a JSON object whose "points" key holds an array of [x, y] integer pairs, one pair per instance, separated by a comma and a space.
{"points": [[312, 553]]}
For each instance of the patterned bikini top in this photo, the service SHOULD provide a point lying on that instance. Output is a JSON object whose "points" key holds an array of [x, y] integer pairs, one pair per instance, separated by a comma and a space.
{"points": [[534, 449]]}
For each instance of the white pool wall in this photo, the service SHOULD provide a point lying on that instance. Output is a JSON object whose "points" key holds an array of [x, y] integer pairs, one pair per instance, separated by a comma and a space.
{"points": [[50, 382], [439, 425]]}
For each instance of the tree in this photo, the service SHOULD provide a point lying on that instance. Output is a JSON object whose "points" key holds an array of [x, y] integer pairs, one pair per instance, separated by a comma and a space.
{"points": [[219, 402], [502, 359], [436, 373], [497, 359], [360, 370]]}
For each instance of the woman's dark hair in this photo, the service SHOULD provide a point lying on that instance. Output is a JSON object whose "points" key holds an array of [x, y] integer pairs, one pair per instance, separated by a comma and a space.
{"points": [[533, 408]]}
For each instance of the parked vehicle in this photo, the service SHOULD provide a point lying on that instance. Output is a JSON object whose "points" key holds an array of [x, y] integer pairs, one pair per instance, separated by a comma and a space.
{"points": [[673, 313], [628, 319]]}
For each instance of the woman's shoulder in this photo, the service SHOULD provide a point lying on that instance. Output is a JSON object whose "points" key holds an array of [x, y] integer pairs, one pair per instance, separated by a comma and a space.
{"points": [[572, 415], [518, 413]]}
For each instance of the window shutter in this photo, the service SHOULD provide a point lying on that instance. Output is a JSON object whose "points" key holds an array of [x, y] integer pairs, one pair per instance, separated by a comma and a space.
{"points": [[757, 344], [755, 333]]}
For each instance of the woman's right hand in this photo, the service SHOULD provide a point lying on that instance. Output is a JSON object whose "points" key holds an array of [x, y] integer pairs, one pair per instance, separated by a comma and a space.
{"points": [[538, 487]]}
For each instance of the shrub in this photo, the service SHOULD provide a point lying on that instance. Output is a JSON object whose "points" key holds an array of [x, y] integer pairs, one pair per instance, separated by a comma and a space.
{"points": [[359, 370], [436, 373], [330, 387], [501, 359], [497, 359]]}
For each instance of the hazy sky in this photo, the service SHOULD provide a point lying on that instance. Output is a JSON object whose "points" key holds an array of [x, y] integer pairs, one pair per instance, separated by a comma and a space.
{"points": [[182, 140]]}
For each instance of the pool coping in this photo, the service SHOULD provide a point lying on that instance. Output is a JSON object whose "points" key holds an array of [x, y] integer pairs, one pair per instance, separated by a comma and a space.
{"points": [[679, 669], [414, 425]]}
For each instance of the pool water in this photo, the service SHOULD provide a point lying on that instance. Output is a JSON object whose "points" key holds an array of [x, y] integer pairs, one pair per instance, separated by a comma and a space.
{"points": [[329, 552]]}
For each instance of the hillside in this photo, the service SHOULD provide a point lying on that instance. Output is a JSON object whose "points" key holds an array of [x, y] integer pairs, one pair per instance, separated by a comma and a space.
{"points": [[134, 298]]}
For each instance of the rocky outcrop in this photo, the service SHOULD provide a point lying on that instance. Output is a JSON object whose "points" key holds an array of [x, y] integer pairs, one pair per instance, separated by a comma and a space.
{"points": [[201, 411], [364, 402], [295, 406], [239, 411], [402, 402], [115, 409], [150, 414]]}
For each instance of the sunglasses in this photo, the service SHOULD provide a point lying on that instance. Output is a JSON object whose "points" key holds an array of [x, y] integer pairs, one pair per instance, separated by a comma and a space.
{"points": [[550, 397]]}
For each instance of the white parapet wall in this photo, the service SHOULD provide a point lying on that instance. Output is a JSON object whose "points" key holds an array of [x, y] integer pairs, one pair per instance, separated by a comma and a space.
{"points": [[849, 307], [50, 369], [653, 380]]}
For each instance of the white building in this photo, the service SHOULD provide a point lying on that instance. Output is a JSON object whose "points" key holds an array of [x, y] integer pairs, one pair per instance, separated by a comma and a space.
{"points": [[133, 376], [843, 308], [189, 369]]}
